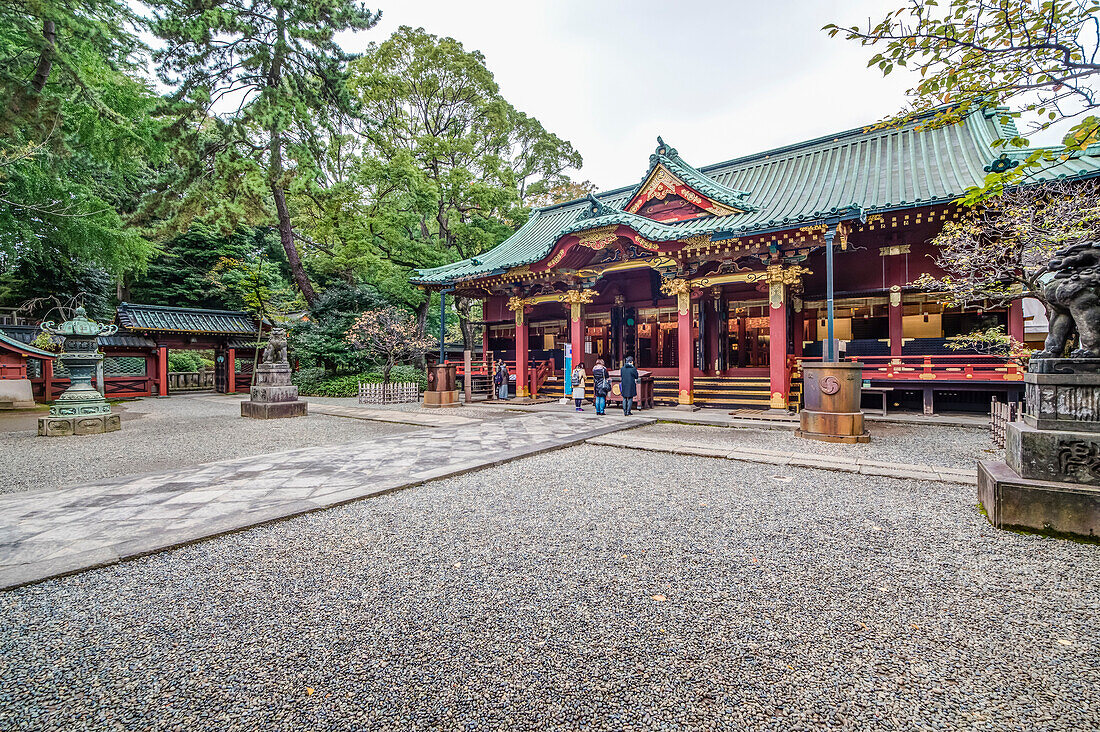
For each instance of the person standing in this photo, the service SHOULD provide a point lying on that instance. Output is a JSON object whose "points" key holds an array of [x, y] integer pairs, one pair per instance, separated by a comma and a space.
{"points": [[601, 385], [628, 384], [578, 386], [500, 380]]}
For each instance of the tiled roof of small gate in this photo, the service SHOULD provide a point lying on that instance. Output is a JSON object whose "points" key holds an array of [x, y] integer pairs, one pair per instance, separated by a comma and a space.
{"points": [[120, 339], [872, 170], [21, 347], [160, 318]]}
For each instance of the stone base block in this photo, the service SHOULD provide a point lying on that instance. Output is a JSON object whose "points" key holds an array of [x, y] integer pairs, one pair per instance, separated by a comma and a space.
{"points": [[441, 399], [1068, 457], [1048, 507], [65, 426], [832, 426], [16, 394], [274, 393], [274, 410]]}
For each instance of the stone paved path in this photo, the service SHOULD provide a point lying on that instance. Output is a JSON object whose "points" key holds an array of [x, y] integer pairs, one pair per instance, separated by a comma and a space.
{"points": [[796, 459], [445, 417], [48, 533]]}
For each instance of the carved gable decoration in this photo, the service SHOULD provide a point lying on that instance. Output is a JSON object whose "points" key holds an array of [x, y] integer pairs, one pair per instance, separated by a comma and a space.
{"points": [[661, 184]]}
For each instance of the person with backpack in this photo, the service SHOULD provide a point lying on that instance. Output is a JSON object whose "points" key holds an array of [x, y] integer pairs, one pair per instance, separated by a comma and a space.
{"points": [[628, 384], [500, 380], [578, 386], [601, 385]]}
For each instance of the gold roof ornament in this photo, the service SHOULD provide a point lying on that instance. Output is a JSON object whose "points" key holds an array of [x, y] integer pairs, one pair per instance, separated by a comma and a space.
{"points": [[577, 297]]}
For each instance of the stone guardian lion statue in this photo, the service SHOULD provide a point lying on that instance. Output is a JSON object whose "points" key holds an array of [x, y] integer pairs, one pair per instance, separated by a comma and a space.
{"points": [[1071, 286], [275, 350]]}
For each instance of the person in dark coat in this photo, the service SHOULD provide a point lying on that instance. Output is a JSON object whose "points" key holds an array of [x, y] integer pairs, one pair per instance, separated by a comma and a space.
{"points": [[628, 384], [601, 385]]}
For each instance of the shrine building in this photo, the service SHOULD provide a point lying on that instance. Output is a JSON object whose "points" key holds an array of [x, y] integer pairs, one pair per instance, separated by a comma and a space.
{"points": [[713, 278]]}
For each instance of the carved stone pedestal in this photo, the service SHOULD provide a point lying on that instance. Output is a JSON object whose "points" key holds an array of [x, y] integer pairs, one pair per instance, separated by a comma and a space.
{"points": [[1050, 478], [273, 396]]}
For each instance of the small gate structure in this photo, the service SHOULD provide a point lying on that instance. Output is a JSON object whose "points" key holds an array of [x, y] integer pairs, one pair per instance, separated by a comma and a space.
{"points": [[393, 393], [1000, 414]]}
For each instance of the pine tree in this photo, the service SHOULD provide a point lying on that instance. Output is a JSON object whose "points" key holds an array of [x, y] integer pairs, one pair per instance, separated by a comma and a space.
{"points": [[258, 85]]}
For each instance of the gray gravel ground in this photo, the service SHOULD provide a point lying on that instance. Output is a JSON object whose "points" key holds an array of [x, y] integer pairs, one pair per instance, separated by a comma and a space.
{"points": [[593, 588], [951, 447], [158, 434]]}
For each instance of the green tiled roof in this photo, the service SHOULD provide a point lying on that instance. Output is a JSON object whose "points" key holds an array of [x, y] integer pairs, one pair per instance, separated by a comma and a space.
{"points": [[24, 348], [670, 158], [869, 170], [159, 318]]}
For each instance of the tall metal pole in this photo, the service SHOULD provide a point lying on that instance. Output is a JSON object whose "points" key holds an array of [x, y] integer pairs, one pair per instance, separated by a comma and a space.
{"points": [[830, 347], [443, 325]]}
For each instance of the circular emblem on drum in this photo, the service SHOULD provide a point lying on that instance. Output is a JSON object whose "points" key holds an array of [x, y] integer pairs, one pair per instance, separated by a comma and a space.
{"points": [[616, 390], [830, 385]]}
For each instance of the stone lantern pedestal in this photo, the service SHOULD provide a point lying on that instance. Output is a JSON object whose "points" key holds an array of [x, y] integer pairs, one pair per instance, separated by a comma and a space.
{"points": [[832, 392], [1050, 479]]}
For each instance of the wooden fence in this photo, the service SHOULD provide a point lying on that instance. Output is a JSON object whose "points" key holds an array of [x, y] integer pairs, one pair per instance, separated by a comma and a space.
{"points": [[393, 393], [1000, 414]]}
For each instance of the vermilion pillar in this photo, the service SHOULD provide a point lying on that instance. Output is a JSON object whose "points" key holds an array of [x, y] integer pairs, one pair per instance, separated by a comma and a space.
{"points": [[684, 344], [47, 379], [162, 371], [522, 352], [231, 371], [576, 332], [777, 343], [1016, 320], [896, 312]]}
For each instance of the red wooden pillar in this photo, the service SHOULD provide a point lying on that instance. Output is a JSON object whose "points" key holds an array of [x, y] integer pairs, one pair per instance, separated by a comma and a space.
{"points": [[711, 326], [485, 347], [522, 354], [47, 379], [798, 328], [576, 332], [1016, 320], [896, 312], [231, 371], [777, 344], [162, 371], [684, 344]]}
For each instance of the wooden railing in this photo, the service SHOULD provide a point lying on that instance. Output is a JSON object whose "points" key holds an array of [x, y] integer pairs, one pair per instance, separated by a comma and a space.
{"points": [[970, 367], [1000, 414], [539, 373]]}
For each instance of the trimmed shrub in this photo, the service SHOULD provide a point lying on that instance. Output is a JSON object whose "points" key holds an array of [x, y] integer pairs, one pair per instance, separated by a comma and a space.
{"points": [[313, 382]]}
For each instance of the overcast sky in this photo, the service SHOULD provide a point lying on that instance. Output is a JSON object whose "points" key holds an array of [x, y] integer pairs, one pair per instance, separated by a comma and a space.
{"points": [[717, 79]]}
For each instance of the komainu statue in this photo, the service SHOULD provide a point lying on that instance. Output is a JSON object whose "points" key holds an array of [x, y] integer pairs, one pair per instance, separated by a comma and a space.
{"points": [[1071, 287], [275, 350]]}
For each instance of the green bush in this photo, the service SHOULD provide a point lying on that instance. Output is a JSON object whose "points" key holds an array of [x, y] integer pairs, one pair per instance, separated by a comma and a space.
{"points": [[313, 382], [184, 361]]}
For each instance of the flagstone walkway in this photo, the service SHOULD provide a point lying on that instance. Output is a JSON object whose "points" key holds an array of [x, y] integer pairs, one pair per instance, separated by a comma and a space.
{"points": [[53, 532]]}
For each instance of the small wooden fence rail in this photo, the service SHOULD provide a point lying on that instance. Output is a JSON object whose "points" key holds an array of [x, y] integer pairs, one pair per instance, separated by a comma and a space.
{"points": [[393, 393], [1000, 414]]}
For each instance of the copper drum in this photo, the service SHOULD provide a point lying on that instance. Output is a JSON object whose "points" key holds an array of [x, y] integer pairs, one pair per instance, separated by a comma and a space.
{"points": [[442, 378], [832, 393]]}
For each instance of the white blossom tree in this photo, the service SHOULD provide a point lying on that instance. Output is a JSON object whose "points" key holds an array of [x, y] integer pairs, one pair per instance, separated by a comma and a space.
{"points": [[390, 336]]}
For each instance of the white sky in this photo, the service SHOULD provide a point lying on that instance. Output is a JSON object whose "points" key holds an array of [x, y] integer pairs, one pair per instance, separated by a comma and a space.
{"points": [[716, 79]]}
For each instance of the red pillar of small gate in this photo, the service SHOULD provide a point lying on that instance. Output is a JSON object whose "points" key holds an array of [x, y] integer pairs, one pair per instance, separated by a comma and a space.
{"points": [[1016, 320], [777, 345], [47, 379], [684, 347], [522, 352], [231, 371], [162, 371]]}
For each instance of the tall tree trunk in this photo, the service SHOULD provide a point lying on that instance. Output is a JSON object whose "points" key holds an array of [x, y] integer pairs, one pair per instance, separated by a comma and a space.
{"points": [[24, 102], [275, 176], [421, 323], [462, 307]]}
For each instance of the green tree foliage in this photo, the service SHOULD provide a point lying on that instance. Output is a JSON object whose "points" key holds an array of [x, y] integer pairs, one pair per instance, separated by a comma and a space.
{"points": [[199, 268], [436, 174], [76, 132], [48, 283], [257, 85], [320, 340], [1033, 57]]}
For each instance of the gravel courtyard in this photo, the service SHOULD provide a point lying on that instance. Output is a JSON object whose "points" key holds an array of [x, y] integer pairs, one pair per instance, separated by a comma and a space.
{"points": [[942, 446], [592, 587], [159, 434]]}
